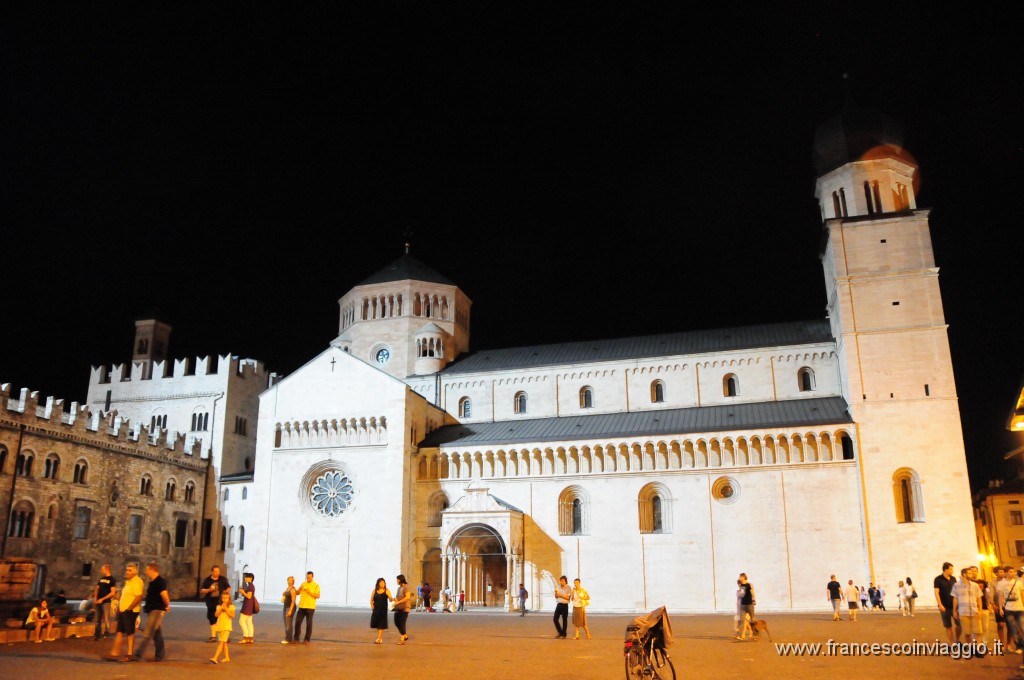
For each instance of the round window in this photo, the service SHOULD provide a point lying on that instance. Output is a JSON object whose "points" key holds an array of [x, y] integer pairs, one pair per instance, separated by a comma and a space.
{"points": [[327, 490], [725, 490]]}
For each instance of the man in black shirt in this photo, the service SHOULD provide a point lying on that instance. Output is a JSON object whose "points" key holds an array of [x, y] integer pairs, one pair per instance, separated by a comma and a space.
{"points": [[944, 597], [213, 586], [835, 596], [156, 606], [102, 596], [747, 600]]}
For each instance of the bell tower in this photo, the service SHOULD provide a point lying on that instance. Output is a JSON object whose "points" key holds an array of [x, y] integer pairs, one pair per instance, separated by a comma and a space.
{"points": [[886, 314], [406, 319]]}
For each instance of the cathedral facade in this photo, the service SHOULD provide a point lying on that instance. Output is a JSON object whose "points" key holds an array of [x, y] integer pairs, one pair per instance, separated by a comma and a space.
{"points": [[655, 468]]}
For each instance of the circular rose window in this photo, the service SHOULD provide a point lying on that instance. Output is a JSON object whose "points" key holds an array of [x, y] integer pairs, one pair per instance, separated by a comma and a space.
{"points": [[725, 490], [327, 490]]}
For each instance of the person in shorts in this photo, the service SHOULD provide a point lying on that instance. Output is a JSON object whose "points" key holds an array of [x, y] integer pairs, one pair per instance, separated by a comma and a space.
{"points": [[967, 604], [944, 583], [852, 599], [128, 611]]}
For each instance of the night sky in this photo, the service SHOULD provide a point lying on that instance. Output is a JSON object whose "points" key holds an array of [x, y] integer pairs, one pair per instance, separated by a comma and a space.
{"points": [[592, 172]]}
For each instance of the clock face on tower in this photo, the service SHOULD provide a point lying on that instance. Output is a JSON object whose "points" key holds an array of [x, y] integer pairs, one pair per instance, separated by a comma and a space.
{"points": [[382, 356]]}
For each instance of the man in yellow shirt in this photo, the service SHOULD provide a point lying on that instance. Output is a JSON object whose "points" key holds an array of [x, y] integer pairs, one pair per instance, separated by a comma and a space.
{"points": [[128, 611], [309, 593]]}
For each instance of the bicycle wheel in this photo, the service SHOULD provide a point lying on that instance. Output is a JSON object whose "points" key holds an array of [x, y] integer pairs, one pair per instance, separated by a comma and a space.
{"points": [[662, 665], [634, 665]]}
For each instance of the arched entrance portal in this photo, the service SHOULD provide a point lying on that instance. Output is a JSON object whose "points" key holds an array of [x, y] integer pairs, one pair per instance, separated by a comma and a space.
{"points": [[478, 564]]}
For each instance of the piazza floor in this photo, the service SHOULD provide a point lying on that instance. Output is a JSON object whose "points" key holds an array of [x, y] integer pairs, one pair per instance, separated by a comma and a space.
{"points": [[490, 644]]}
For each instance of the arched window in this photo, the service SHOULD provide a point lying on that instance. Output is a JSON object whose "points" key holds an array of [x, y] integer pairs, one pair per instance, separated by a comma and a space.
{"points": [[20, 523], [574, 512], [23, 465], [730, 385], [170, 490], [846, 445], [655, 505], [146, 486], [805, 379], [906, 488], [3, 460], [587, 397], [519, 402], [227, 494], [657, 392], [223, 538], [231, 537], [438, 504], [51, 466], [241, 538], [190, 491], [245, 492], [200, 421], [465, 407], [81, 472]]}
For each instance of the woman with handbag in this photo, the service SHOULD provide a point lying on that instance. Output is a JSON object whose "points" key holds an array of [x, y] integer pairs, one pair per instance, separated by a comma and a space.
{"points": [[580, 602], [911, 596], [401, 607]]}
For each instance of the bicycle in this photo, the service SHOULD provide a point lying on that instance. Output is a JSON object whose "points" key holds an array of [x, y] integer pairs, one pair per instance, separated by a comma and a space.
{"points": [[645, 655]]}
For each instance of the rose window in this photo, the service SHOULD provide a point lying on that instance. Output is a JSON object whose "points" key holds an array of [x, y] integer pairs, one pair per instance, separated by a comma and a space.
{"points": [[331, 493]]}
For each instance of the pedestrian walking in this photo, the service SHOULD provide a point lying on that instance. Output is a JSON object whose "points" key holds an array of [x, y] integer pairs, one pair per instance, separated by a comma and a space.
{"points": [[158, 603], [852, 597], [749, 600], [944, 598], [249, 608], [128, 612], [401, 607], [835, 596], [522, 599], [563, 594]]}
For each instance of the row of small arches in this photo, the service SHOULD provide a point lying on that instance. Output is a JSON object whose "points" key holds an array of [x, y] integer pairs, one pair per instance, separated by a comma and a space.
{"points": [[431, 306], [648, 456], [337, 432]]}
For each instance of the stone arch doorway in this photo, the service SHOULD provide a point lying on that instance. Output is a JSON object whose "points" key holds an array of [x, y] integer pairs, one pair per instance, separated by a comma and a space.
{"points": [[478, 563]]}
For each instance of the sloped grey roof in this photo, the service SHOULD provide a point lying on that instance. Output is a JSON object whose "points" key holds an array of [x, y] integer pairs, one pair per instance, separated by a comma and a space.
{"points": [[753, 416], [664, 344], [406, 268]]}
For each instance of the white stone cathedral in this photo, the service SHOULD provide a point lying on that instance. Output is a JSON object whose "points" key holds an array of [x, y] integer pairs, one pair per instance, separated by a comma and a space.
{"points": [[656, 468]]}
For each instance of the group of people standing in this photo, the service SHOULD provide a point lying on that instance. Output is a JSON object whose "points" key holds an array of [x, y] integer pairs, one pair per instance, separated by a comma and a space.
{"points": [[965, 604], [868, 599], [580, 600]]}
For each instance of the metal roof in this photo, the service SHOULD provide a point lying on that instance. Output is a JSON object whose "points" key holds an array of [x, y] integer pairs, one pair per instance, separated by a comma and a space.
{"points": [[664, 344], [751, 416], [406, 268]]}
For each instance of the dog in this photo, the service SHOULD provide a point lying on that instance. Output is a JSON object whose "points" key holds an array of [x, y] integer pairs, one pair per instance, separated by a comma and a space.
{"points": [[759, 625]]}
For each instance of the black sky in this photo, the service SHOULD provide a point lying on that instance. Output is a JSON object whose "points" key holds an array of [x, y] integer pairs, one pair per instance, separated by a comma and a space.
{"points": [[596, 171]]}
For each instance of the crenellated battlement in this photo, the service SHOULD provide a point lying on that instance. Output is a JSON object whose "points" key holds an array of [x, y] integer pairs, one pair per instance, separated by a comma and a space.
{"points": [[104, 430], [172, 369]]}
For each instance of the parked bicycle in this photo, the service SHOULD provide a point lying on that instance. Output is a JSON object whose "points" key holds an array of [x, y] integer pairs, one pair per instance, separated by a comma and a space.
{"points": [[645, 647]]}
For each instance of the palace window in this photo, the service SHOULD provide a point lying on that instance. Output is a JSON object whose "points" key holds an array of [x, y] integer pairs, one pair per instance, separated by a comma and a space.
{"points": [[190, 492], [805, 378], [200, 421], [180, 533], [135, 529], [23, 465], [730, 385], [157, 422], [20, 523], [146, 486], [587, 397], [82, 517], [574, 512], [657, 392], [906, 486], [3, 460], [81, 472], [1016, 517], [465, 407], [51, 466], [519, 402], [170, 490], [241, 425], [655, 509]]}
